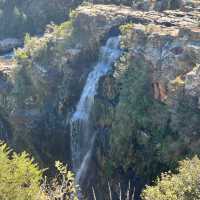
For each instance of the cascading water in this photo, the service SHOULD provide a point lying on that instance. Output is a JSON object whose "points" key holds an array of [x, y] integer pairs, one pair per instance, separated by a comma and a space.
{"points": [[82, 140]]}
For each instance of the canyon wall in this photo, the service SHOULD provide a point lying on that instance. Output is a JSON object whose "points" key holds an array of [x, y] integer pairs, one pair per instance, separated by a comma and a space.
{"points": [[146, 111]]}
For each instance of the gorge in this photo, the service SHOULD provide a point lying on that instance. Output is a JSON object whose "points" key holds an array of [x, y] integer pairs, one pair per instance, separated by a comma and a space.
{"points": [[112, 91]]}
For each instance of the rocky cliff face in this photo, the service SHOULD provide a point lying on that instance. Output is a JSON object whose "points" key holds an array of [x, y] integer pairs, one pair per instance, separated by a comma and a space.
{"points": [[149, 104], [144, 105], [146, 112], [158, 5]]}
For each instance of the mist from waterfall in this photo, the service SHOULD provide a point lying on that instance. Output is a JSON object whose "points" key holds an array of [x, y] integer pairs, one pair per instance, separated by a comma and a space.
{"points": [[82, 139]]}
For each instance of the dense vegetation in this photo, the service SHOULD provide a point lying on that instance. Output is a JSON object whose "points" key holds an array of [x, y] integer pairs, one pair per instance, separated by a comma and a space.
{"points": [[181, 186], [19, 176], [135, 118], [21, 179]]}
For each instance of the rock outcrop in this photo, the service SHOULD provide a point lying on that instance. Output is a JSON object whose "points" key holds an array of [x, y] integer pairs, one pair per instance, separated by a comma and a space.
{"points": [[158, 5], [103, 18]]}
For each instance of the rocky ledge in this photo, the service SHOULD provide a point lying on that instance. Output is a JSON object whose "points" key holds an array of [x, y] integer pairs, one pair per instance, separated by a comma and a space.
{"points": [[107, 16]]}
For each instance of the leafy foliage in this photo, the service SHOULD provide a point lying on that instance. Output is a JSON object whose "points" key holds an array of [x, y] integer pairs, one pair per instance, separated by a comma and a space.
{"points": [[139, 127], [19, 176], [182, 186], [62, 186]]}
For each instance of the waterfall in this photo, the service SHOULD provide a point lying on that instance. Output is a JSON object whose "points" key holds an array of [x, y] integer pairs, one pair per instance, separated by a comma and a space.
{"points": [[82, 140]]}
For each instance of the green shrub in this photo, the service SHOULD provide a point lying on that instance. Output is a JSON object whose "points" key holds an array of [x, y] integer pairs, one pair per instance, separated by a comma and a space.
{"points": [[185, 185], [19, 176], [63, 186], [21, 179], [139, 126]]}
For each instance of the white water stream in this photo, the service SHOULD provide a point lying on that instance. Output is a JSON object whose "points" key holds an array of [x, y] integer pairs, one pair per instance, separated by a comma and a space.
{"points": [[82, 139]]}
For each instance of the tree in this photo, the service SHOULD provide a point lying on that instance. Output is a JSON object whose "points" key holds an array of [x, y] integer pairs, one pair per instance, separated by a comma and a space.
{"points": [[21, 179], [19, 176]]}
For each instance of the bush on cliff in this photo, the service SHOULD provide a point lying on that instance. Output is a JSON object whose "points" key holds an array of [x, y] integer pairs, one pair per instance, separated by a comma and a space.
{"points": [[182, 186]]}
